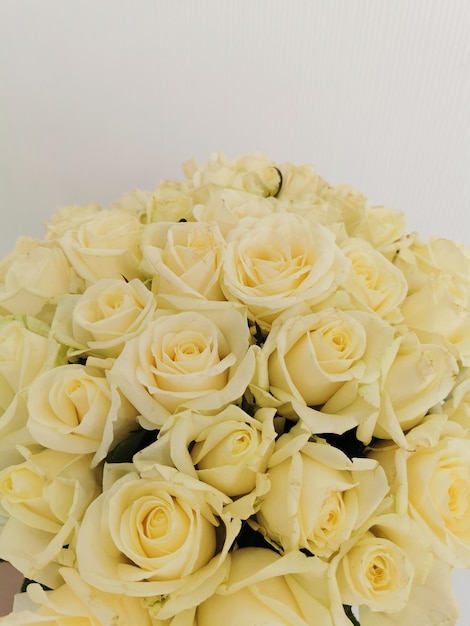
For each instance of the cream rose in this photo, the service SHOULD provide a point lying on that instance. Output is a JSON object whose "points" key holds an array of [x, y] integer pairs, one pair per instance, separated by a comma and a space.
{"points": [[432, 484], [266, 588], [101, 320], [169, 201], [190, 359], [229, 450], [307, 358], [75, 602], [184, 259], [374, 282], [45, 498], [351, 202], [417, 377], [33, 276], [378, 568], [439, 286], [253, 173], [457, 405], [226, 207], [69, 218], [274, 263], [25, 351], [414, 377], [107, 245], [317, 495], [161, 535], [383, 228], [73, 408], [301, 183]]}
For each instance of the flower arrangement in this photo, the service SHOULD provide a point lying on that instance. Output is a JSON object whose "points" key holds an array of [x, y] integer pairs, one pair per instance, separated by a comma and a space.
{"points": [[243, 398]]}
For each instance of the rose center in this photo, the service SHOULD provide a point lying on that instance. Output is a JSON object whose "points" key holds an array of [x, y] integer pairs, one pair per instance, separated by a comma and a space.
{"points": [[379, 573], [21, 484], [155, 524], [240, 442]]}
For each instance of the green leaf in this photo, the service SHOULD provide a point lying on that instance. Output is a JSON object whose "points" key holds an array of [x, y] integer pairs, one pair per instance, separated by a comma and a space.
{"points": [[136, 441], [28, 581]]}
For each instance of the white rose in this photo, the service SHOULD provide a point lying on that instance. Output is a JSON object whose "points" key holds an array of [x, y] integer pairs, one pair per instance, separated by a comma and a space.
{"points": [[307, 358], [155, 536], [69, 218], [266, 588], [191, 359], [169, 201], [75, 602], [374, 282], [383, 228], [457, 405], [379, 566], [25, 351], [414, 377], [274, 263], [73, 408], [300, 183], [352, 203], [226, 207], [432, 484], [33, 276], [45, 497], [107, 245], [317, 495], [101, 320], [229, 450], [253, 173], [184, 258], [432, 603]]}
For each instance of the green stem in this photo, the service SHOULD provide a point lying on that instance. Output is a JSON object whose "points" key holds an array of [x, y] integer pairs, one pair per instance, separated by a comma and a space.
{"points": [[350, 615]]}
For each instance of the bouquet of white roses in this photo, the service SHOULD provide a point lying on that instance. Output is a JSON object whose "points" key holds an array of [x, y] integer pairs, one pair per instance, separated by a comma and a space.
{"points": [[243, 398]]}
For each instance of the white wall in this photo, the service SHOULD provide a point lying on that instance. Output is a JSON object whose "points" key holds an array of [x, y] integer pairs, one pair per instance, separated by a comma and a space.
{"points": [[98, 97]]}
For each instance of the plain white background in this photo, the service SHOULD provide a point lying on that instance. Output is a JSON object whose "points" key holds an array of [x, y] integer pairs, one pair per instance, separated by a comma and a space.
{"points": [[98, 97]]}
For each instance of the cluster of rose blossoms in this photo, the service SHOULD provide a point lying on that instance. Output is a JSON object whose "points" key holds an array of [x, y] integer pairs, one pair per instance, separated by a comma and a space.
{"points": [[243, 398]]}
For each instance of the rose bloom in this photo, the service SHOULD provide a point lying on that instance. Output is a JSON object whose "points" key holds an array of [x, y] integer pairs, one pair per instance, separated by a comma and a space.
{"points": [[69, 218], [438, 300], [307, 358], [45, 498], [300, 183], [382, 568], [374, 282], [101, 320], [184, 258], [25, 351], [107, 245], [457, 405], [352, 203], [73, 408], [432, 484], [191, 359], [274, 263], [228, 450], [383, 228], [33, 276], [317, 495], [265, 588], [75, 602], [414, 377], [253, 173], [160, 534], [168, 202]]}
